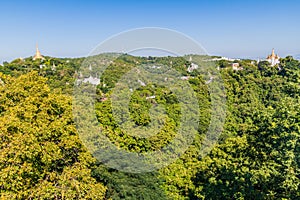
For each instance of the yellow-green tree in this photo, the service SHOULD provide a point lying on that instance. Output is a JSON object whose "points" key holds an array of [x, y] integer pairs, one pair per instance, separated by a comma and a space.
{"points": [[41, 156]]}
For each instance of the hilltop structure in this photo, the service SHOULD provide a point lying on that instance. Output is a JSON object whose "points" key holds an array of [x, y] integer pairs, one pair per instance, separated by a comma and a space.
{"points": [[38, 54], [273, 59]]}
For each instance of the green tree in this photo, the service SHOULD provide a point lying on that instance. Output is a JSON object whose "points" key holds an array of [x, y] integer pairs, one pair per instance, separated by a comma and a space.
{"points": [[41, 156], [261, 164]]}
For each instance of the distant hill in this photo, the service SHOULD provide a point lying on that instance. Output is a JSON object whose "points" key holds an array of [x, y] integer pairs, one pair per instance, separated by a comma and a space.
{"points": [[297, 56]]}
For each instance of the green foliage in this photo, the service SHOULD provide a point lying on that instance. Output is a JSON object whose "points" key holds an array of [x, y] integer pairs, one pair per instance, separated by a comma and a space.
{"points": [[257, 156], [262, 164], [41, 155], [122, 185]]}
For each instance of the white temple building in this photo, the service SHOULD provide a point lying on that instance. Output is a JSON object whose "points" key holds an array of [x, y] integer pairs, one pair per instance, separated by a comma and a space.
{"points": [[273, 59], [92, 80]]}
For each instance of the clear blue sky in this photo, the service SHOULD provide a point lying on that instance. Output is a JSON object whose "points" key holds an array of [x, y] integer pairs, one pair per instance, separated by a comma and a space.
{"points": [[73, 28]]}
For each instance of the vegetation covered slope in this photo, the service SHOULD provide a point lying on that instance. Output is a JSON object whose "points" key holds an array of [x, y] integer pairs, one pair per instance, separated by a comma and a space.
{"points": [[257, 156]]}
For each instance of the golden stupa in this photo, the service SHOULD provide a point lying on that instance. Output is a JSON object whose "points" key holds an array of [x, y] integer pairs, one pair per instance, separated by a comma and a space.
{"points": [[38, 54], [273, 55], [273, 59]]}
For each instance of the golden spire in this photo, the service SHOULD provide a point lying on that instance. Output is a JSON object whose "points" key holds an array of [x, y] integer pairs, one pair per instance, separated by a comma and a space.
{"points": [[273, 53], [273, 58], [38, 54]]}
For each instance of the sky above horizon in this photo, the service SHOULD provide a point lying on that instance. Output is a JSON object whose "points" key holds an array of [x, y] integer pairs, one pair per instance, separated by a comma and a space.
{"points": [[239, 29]]}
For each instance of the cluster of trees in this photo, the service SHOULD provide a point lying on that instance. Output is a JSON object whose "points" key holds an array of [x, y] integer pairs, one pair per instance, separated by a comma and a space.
{"points": [[42, 157]]}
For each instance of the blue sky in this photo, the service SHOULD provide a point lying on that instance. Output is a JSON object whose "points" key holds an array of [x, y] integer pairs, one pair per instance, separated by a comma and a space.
{"points": [[74, 28]]}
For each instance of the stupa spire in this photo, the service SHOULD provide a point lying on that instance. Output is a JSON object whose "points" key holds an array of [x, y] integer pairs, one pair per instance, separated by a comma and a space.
{"points": [[273, 52], [38, 54], [273, 59]]}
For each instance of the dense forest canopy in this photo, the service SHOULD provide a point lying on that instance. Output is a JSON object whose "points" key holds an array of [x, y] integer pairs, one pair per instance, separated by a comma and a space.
{"points": [[255, 157]]}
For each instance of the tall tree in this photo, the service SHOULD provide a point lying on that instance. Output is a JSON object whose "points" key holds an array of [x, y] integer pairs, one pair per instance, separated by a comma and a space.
{"points": [[41, 156]]}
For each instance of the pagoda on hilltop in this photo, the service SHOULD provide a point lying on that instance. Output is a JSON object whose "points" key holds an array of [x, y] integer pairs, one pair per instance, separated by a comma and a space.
{"points": [[38, 54], [273, 59]]}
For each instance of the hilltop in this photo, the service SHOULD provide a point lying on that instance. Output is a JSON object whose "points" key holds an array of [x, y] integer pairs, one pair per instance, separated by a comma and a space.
{"points": [[255, 157]]}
